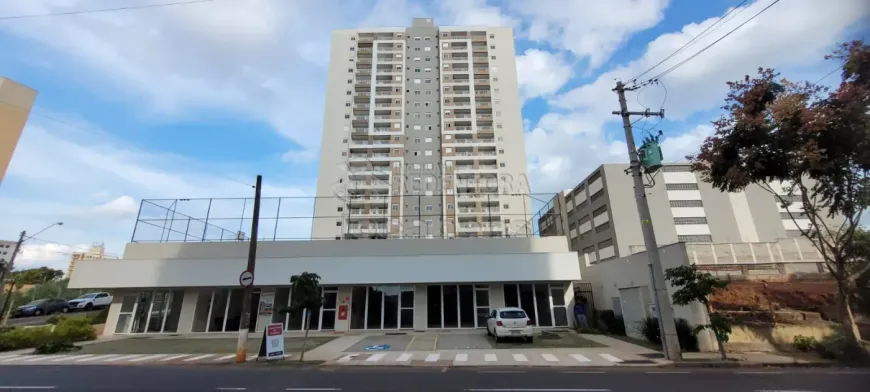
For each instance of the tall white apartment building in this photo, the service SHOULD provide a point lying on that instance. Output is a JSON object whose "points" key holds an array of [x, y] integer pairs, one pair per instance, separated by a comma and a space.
{"points": [[422, 135]]}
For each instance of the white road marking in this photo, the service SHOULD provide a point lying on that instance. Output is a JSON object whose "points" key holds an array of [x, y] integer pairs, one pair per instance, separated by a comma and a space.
{"points": [[15, 358], [230, 388], [781, 390], [226, 357], [578, 372], [580, 358], [148, 358], [536, 390], [59, 358], [123, 357], [520, 358], [404, 357], [432, 357], [376, 357], [461, 357], [610, 358], [30, 387], [97, 357], [198, 358], [174, 357], [347, 357], [759, 372], [9, 356], [668, 372], [501, 371], [76, 357], [490, 357], [550, 358], [36, 358], [312, 389]]}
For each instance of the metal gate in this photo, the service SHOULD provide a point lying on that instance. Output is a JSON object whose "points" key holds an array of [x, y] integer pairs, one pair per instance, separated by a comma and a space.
{"points": [[585, 290]]}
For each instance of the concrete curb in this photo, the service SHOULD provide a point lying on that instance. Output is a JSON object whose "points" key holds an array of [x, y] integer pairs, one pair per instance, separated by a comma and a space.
{"points": [[738, 364]]}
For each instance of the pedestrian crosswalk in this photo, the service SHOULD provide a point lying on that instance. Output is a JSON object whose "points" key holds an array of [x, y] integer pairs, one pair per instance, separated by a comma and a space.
{"points": [[481, 358], [116, 359]]}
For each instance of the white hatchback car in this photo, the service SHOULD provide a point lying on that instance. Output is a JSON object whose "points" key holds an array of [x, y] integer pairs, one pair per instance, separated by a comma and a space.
{"points": [[509, 323]]}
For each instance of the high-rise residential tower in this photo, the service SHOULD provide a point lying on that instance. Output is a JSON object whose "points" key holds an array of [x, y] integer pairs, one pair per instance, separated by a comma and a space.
{"points": [[422, 135]]}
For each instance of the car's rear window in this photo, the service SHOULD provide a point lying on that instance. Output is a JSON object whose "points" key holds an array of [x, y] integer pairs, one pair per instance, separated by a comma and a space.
{"points": [[512, 314]]}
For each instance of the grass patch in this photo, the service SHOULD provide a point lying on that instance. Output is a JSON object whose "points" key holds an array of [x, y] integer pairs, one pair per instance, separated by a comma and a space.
{"points": [[149, 345], [548, 339]]}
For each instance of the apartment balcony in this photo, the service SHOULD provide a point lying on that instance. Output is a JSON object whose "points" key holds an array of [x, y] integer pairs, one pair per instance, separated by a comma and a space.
{"points": [[384, 82], [483, 105], [471, 142], [448, 105], [477, 169], [477, 59], [364, 60], [479, 210], [482, 93], [484, 117], [477, 197], [484, 128], [370, 213], [364, 50], [373, 157], [484, 184], [363, 72], [481, 70], [478, 37], [367, 229], [388, 93], [476, 154], [383, 200], [361, 185], [389, 48], [479, 49], [476, 227], [455, 70], [478, 82], [376, 143], [455, 93], [386, 130]]}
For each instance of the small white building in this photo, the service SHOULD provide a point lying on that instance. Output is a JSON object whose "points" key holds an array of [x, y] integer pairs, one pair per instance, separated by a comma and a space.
{"points": [[398, 284]]}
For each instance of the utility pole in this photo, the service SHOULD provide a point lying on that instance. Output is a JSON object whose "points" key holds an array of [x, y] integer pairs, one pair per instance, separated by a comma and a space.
{"points": [[8, 271], [670, 343], [245, 322]]}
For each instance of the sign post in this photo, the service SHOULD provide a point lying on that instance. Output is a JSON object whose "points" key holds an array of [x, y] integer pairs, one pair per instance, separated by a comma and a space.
{"points": [[272, 345]]}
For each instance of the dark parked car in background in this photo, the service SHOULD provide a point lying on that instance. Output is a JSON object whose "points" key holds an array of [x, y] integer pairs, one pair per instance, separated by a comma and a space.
{"points": [[40, 307]]}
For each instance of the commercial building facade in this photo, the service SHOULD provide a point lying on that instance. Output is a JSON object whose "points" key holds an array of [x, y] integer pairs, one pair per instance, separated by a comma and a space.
{"points": [[600, 217], [422, 135], [96, 252], [16, 100], [402, 284]]}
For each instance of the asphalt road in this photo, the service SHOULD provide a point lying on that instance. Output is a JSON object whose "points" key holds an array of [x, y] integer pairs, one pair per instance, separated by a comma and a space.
{"points": [[40, 320], [289, 378]]}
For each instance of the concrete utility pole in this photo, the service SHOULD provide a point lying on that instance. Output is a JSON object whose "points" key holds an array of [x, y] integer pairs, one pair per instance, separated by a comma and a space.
{"points": [[245, 322], [7, 271], [670, 343]]}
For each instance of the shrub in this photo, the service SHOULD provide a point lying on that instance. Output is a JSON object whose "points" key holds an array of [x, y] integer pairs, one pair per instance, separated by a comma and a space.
{"points": [[805, 343], [613, 324], [55, 347], [53, 320], [75, 329], [19, 338], [100, 318], [649, 328], [66, 330], [688, 340]]}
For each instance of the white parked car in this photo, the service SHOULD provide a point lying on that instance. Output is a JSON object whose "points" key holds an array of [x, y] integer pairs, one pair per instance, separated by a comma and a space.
{"points": [[509, 323], [90, 301]]}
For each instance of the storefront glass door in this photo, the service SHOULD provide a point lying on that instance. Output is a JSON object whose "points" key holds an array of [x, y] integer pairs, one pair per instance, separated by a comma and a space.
{"points": [[544, 303], [457, 306], [382, 307]]}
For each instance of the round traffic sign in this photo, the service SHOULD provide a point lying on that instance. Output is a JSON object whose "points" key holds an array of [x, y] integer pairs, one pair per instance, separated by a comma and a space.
{"points": [[246, 278]]}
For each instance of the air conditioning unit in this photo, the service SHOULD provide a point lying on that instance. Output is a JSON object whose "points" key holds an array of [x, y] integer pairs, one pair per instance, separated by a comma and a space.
{"points": [[240, 236]]}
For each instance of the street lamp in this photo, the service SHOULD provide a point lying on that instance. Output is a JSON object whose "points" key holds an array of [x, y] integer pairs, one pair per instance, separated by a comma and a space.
{"points": [[11, 264]]}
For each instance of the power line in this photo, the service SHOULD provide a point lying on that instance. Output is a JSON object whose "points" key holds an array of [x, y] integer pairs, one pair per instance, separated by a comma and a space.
{"points": [[691, 41], [678, 65], [826, 75], [134, 7]]}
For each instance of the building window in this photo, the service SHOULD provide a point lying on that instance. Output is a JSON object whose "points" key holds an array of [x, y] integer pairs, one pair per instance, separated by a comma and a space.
{"points": [[501, 151], [690, 221], [677, 168], [686, 203], [682, 187], [695, 238], [449, 206], [395, 207], [501, 164], [428, 207]]}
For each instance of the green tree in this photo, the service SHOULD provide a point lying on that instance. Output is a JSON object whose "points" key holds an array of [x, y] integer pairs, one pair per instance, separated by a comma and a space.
{"points": [[814, 140], [860, 253], [305, 291], [694, 285], [36, 275]]}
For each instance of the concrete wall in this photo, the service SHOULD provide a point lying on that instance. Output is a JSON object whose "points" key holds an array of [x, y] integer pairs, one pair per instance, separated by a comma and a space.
{"points": [[777, 335], [396, 247], [609, 277]]}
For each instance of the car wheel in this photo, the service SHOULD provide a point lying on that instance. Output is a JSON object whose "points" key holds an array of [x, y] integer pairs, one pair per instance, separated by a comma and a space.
{"points": [[37, 312], [65, 310], [495, 336], [89, 307], [530, 339]]}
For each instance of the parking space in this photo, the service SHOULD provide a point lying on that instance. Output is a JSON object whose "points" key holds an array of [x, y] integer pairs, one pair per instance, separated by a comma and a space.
{"points": [[382, 343], [464, 342]]}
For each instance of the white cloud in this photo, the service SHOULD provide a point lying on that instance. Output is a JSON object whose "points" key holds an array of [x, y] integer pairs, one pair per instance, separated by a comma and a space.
{"points": [[45, 255], [124, 206], [590, 29], [297, 156], [699, 85], [475, 13], [542, 73]]}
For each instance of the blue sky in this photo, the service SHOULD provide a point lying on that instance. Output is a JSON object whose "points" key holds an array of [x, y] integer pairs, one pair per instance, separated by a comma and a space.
{"points": [[195, 100]]}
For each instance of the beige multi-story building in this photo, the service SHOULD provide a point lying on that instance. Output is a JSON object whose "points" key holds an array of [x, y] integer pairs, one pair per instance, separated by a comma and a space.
{"points": [[422, 135], [16, 101], [96, 252]]}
